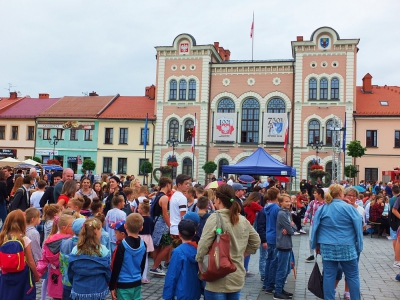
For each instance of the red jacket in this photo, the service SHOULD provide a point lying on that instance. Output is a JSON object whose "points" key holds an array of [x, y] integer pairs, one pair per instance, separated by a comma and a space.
{"points": [[376, 212], [251, 211]]}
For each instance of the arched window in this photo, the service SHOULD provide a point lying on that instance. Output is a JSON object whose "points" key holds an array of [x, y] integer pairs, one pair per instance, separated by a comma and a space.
{"points": [[182, 90], [226, 105], [187, 167], [328, 168], [323, 89], [313, 131], [335, 88], [309, 169], [188, 130], [250, 121], [276, 105], [329, 132], [222, 162], [192, 89], [173, 129], [172, 90], [312, 89]]}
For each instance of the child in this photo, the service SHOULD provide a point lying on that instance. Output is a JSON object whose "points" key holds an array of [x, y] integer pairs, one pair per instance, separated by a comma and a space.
{"points": [[89, 264], [202, 205], [96, 206], [50, 211], [129, 262], [190, 196], [18, 285], [114, 216], [85, 211], [37, 195], [120, 234], [129, 196], [62, 229], [105, 237], [145, 233], [68, 192], [183, 267], [32, 217], [143, 192], [76, 204], [65, 250], [285, 228]]}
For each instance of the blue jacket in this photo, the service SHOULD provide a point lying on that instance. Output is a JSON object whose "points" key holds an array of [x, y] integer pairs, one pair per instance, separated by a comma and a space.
{"points": [[181, 280], [272, 213], [89, 271], [65, 249], [337, 223], [262, 225]]}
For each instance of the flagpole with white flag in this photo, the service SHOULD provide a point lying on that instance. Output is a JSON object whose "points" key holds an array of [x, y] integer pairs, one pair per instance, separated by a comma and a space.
{"points": [[252, 37], [286, 141], [193, 143]]}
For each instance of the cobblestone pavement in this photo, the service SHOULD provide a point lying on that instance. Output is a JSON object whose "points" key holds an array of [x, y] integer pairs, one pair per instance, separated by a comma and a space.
{"points": [[376, 274]]}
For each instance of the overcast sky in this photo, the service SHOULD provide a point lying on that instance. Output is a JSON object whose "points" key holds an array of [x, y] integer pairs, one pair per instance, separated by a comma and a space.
{"points": [[72, 47]]}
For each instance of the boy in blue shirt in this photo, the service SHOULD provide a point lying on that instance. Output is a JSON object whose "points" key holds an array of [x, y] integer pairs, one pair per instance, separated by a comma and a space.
{"points": [[183, 267]]}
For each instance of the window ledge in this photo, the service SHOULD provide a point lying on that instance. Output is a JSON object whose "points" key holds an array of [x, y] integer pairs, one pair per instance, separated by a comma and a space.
{"points": [[247, 144], [122, 143], [107, 143], [323, 100]]}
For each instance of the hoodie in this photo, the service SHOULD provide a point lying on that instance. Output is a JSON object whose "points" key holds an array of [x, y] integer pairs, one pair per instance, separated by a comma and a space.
{"points": [[272, 213], [284, 241], [181, 281]]}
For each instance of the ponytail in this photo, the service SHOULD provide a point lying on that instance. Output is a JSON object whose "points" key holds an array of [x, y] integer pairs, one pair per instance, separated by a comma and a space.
{"points": [[334, 191], [226, 194], [234, 212]]}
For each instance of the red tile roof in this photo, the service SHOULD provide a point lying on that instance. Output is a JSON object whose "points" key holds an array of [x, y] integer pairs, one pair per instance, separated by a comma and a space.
{"points": [[130, 107], [78, 107], [27, 108], [6, 102], [368, 104]]}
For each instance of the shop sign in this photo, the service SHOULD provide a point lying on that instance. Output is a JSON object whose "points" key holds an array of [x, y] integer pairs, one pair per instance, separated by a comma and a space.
{"points": [[72, 159], [66, 125], [46, 152], [8, 152]]}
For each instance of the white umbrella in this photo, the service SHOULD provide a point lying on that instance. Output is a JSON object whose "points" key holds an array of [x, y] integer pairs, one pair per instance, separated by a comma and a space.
{"points": [[9, 161], [30, 162]]}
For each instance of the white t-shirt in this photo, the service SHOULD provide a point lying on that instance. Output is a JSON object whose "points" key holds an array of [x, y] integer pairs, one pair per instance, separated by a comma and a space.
{"points": [[114, 215], [177, 204], [35, 199], [135, 204], [230, 182]]}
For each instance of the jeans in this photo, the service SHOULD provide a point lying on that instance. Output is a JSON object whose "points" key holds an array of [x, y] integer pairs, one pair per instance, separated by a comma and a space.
{"points": [[282, 270], [270, 267], [261, 263], [221, 296], [246, 262], [350, 269]]}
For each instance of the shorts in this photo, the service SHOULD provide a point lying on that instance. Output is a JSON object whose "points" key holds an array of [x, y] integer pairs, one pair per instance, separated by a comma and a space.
{"points": [[393, 234], [165, 240], [176, 240], [130, 294]]}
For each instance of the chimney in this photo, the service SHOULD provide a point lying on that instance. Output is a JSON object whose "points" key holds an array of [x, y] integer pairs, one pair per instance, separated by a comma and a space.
{"points": [[147, 91], [216, 45], [152, 92], [93, 94], [299, 38], [227, 55], [13, 95], [44, 96], [367, 83]]}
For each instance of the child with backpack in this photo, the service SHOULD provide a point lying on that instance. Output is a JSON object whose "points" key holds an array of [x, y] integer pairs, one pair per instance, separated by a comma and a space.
{"points": [[50, 260], [50, 211], [202, 205], [32, 217], [89, 264], [145, 234], [18, 269], [105, 237]]}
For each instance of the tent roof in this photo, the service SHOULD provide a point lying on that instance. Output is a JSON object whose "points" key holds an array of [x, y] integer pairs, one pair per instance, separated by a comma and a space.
{"points": [[260, 163]]}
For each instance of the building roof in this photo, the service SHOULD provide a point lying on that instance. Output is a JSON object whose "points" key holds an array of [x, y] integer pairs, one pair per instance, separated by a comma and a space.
{"points": [[373, 103], [130, 107], [78, 107], [27, 108], [6, 102]]}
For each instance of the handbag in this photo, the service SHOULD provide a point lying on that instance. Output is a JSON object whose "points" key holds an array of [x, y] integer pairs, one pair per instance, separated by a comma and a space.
{"points": [[316, 282], [217, 263]]}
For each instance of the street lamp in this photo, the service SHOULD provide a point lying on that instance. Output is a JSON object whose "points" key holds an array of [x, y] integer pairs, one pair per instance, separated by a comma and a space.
{"points": [[317, 146], [172, 142], [54, 142]]}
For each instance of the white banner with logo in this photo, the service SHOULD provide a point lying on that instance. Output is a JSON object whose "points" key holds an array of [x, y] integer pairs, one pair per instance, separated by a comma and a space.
{"points": [[274, 127], [225, 127]]}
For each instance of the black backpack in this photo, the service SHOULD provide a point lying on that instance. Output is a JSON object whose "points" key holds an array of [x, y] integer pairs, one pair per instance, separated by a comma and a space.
{"points": [[153, 206], [394, 221]]}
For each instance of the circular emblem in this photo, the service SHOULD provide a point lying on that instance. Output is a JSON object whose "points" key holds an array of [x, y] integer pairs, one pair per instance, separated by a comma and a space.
{"points": [[276, 81], [226, 81], [251, 81]]}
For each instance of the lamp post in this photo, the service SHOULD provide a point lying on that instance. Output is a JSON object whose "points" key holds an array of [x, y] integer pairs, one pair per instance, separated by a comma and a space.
{"points": [[54, 142], [317, 146], [173, 142]]}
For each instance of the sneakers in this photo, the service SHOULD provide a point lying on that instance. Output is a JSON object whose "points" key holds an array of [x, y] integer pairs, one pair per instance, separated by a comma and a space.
{"points": [[310, 259], [296, 233], [302, 231], [166, 265], [396, 264], [157, 272], [269, 292], [249, 274], [281, 296], [287, 294], [346, 295]]}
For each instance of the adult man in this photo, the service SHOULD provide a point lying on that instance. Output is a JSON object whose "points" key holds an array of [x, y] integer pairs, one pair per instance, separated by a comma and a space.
{"points": [[231, 180], [33, 173], [395, 212], [22, 196], [178, 206], [240, 190], [388, 189], [91, 176], [9, 179], [67, 174], [48, 196]]}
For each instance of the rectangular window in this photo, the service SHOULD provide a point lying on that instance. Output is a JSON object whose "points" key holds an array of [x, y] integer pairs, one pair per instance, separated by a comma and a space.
{"points": [[122, 164], [31, 133], [14, 132], [88, 135], [73, 136], [397, 139], [46, 134], [372, 137], [108, 137], [123, 135], [60, 134], [2, 132], [141, 160], [371, 174], [107, 164], [142, 136]]}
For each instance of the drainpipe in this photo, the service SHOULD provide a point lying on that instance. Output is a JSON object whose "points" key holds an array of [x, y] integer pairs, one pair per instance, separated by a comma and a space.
{"points": [[292, 127], [355, 138], [152, 150]]}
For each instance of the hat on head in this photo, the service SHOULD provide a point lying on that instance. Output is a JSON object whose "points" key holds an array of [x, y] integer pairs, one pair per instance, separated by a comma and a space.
{"points": [[238, 186], [118, 226], [193, 217], [77, 225], [187, 228]]}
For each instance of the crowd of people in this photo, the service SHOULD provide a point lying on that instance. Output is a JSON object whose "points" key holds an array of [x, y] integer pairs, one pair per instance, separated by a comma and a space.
{"points": [[100, 234]]}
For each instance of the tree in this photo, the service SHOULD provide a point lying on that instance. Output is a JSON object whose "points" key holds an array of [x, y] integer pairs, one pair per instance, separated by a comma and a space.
{"points": [[350, 171], [88, 165], [354, 149], [37, 159], [209, 167], [146, 167]]}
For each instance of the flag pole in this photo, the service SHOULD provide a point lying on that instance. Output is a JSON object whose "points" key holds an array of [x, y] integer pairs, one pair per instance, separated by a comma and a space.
{"points": [[194, 143], [252, 39]]}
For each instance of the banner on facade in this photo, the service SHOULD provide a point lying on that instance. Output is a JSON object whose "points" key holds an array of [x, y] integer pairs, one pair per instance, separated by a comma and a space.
{"points": [[46, 152], [225, 127], [274, 127], [66, 125]]}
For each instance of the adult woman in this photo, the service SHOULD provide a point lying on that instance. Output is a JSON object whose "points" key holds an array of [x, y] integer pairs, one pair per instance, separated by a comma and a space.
{"points": [[114, 190], [98, 190], [46, 179], [3, 196], [376, 214], [135, 183], [244, 241], [68, 192], [337, 235], [86, 189], [17, 184]]}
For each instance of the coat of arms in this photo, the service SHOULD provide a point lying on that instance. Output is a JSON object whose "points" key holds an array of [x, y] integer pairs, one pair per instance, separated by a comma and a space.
{"points": [[184, 48], [324, 42]]}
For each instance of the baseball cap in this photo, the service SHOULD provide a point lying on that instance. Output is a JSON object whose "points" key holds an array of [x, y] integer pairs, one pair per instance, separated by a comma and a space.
{"points": [[187, 228], [118, 226], [238, 186], [77, 225], [192, 216]]}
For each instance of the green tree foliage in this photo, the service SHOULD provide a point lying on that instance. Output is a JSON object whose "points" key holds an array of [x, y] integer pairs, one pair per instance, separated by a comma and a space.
{"points": [[354, 149], [146, 167], [350, 171], [37, 159], [88, 165], [209, 167]]}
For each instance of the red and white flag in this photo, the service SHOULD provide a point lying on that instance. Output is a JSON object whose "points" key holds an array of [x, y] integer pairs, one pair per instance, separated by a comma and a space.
{"points": [[286, 136], [193, 135], [252, 28]]}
